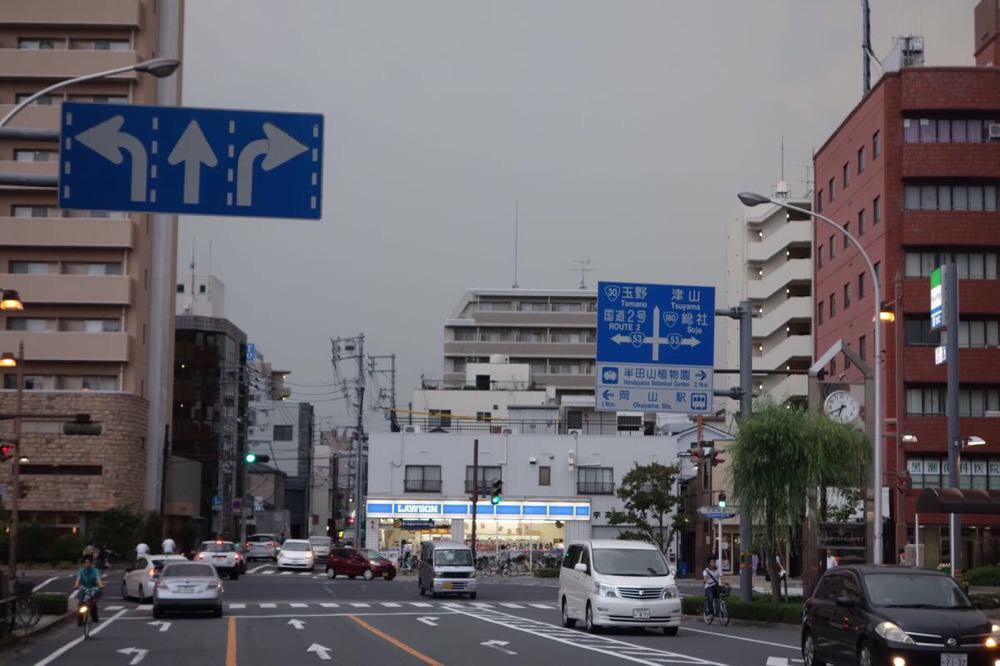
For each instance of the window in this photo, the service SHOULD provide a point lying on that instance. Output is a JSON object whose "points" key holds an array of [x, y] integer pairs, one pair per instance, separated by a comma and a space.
{"points": [[876, 210], [876, 145], [972, 402], [100, 99], [31, 324], [33, 267], [180, 289], [861, 285], [44, 100], [495, 306], [533, 306], [947, 130], [863, 348], [819, 257], [567, 306], [545, 475], [918, 332], [34, 211], [532, 335], [845, 175], [87, 383], [595, 480], [970, 265], [90, 325], [496, 335], [487, 475], [831, 186], [422, 479], [35, 155], [37, 43], [833, 247], [847, 230], [484, 417], [819, 201], [439, 418], [567, 336], [861, 159], [465, 334], [861, 222], [99, 44], [833, 305], [973, 198], [819, 312], [91, 268], [572, 556], [847, 295], [282, 433]]}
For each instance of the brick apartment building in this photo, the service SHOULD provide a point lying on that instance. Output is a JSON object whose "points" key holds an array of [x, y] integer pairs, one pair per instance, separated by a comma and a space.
{"points": [[914, 171], [84, 276]]}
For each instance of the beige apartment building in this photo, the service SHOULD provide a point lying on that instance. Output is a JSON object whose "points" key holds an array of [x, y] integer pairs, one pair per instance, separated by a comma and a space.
{"points": [[84, 276]]}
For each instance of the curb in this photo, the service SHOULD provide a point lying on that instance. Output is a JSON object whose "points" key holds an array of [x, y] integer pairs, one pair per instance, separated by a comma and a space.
{"points": [[735, 622], [17, 639]]}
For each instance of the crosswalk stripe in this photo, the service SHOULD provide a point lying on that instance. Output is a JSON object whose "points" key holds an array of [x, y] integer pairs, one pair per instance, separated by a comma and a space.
{"points": [[390, 604], [329, 605], [541, 606], [234, 606], [481, 604], [420, 604], [269, 605], [507, 604], [113, 608], [269, 572], [144, 607], [299, 605], [360, 605], [777, 661]]}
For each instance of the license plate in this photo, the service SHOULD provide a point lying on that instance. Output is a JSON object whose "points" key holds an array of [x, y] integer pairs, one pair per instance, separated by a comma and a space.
{"points": [[448, 586], [640, 614], [954, 660]]}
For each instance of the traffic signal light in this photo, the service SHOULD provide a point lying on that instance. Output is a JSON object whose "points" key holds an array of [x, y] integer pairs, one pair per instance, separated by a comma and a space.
{"points": [[496, 495], [251, 457], [722, 500], [6, 451]]}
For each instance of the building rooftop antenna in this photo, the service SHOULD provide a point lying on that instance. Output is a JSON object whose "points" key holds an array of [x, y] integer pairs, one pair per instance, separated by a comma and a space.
{"points": [[583, 265]]}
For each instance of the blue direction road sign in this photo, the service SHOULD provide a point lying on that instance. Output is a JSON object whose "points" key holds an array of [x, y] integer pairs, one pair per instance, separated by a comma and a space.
{"points": [[196, 161], [655, 347]]}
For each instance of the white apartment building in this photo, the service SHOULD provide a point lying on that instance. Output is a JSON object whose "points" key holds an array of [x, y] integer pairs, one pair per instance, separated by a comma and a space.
{"points": [[769, 261]]}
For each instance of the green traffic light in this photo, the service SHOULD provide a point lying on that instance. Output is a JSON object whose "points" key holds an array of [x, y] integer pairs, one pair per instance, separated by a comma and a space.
{"points": [[250, 457], [496, 499]]}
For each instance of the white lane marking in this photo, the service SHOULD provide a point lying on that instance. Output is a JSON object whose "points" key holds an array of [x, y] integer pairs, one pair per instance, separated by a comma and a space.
{"points": [[305, 573], [420, 604], [390, 604], [43, 584], [268, 605], [113, 608], [287, 573], [510, 605], [777, 661], [329, 605], [258, 568], [269, 572], [235, 606], [76, 641], [73, 594], [294, 605], [545, 606], [358, 604], [718, 634], [144, 607], [602, 644], [428, 620]]}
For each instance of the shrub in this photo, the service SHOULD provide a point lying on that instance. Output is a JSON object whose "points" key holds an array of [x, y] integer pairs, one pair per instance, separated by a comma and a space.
{"points": [[66, 548], [759, 610], [985, 601], [549, 572], [120, 528], [983, 576], [50, 603]]}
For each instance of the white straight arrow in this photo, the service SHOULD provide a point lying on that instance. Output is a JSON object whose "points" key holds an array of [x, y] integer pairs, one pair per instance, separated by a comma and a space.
{"points": [[138, 654], [106, 139], [498, 645], [164, 626], [321, 651], [193, 150], [298, 624], [429, 621], [277, 149]]}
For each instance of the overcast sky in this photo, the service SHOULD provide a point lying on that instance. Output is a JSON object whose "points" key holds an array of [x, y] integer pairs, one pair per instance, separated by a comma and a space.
{"points": [[623, 128]]}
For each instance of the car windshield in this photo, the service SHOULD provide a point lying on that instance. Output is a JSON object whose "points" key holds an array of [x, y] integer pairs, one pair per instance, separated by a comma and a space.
{"points": [[373, 555], [261, 538], [453, 557], [189, 571], [322, 542], [630, 562], [910, 590], [295, 545], [213, 547]]}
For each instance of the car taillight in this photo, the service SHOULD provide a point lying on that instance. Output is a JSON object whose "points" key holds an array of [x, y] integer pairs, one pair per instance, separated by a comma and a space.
{"points": [[201, 556], [238, 557], [273, 544], [152, 572]]}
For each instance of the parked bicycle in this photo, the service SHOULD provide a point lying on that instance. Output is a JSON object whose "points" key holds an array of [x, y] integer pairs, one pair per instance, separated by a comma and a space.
{"points": [[718, 607], [24, 612]]}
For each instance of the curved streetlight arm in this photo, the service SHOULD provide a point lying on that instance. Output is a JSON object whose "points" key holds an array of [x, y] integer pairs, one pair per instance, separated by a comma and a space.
{"points": [[62, 84]]}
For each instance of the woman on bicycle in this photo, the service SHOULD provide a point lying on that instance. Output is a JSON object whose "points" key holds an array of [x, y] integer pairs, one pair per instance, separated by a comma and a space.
{"points": [[712, 576], [89, 583]]}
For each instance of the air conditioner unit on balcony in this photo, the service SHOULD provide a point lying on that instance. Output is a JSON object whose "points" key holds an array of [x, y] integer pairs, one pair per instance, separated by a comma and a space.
{"points": [[411, 428], [993, 130], [575, 431]]}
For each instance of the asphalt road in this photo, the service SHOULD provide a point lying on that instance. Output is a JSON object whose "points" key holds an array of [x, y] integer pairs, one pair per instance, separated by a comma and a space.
{"points": [[272, 618]]}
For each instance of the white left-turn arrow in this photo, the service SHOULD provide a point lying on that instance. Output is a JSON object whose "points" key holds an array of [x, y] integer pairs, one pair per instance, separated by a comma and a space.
{"points": [[138, 654], [107, 140], [164, 626], [193, 150]]}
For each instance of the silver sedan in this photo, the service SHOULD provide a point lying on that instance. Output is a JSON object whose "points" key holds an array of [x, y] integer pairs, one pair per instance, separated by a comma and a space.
{"points": [[188, 586]]}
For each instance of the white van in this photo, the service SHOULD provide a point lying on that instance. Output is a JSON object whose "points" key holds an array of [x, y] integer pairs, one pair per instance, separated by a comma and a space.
{"points": [[446, 567], [613, 583]]}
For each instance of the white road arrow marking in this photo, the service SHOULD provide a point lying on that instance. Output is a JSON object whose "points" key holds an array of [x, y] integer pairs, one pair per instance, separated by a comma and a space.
{"points": [[321, 651], [298, 624], [164, 626], [138, 654], [193, 150], [498, 645], [277, 149], [429, 621], [107, 140]]}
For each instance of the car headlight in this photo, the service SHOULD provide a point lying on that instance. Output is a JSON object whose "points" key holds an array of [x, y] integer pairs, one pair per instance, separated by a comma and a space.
{"points": [[893, 634], [670, 592], [605, 590]]}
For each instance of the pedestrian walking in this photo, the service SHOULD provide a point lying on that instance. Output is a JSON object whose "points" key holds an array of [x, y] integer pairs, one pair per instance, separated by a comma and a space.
{"points": [[831, 560], [755, 563], [169, 547], [141, 549]]}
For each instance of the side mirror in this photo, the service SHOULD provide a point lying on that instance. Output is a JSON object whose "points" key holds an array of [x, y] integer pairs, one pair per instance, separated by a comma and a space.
{"points": [[845, 601], [581, 567]]}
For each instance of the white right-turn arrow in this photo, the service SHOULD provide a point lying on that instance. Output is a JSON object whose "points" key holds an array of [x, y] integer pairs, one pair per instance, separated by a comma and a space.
{"points": [[277, 149]]}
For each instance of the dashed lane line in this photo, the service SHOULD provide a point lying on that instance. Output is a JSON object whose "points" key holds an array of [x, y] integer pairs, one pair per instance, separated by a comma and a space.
{"points": [[507, 604], [719, 634], [76, 641]]}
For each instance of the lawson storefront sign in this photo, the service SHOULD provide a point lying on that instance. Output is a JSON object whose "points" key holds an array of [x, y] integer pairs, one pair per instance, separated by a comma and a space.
{"points": [[526, 510]]}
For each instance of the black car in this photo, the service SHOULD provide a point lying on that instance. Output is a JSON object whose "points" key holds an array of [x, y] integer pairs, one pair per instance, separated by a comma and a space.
{"points": [[896, 616]]}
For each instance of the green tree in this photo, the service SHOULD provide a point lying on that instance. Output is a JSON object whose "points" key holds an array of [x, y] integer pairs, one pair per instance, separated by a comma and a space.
{"points": [[120, 529], [647, 494], [781, 456], [152, 530]]}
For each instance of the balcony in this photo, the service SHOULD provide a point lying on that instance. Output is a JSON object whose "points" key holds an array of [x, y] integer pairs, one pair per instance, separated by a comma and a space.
{"points": [[74, 232], [34, 117], [780, 238], [70, 289], [63, 63], [794, 346], [595, 488], [539, 349], [29, 13], [789, 271], [75, 347], [31, 168], [797, 307], [536, 319]]}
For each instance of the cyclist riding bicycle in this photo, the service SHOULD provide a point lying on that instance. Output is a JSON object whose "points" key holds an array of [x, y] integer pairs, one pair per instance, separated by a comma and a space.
{"points": [[712, 575], [88, 581]]}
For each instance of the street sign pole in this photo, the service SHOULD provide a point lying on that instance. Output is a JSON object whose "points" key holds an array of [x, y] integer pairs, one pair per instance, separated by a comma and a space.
{"points": [[746, 407], [475, 494], [949, 276]]}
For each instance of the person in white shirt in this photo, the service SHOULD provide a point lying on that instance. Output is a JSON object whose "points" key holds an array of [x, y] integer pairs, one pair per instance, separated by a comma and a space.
{"points": [[169, 547], [712, 576], [831, 560], [141, 549]]}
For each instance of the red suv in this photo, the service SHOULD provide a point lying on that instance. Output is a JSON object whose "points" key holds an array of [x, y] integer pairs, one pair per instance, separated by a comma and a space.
{"points": [[354, 562]]}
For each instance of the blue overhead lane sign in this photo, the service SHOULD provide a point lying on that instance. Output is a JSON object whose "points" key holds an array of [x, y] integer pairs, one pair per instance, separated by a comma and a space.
{"points": [[655, 347], [185, 160]]}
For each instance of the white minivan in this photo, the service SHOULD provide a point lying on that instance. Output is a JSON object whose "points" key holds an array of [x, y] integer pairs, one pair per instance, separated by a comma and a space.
{"points": [[613, 583]]}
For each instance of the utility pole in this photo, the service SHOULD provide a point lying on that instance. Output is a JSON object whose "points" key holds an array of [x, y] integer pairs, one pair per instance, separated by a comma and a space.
{"points": [[15, 468], [373, 369], [949, 277], [475, 495], [360, 459]]}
